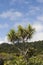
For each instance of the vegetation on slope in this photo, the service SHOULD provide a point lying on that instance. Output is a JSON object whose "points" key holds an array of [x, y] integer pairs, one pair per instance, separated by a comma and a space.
{"points": [[25, 53]]}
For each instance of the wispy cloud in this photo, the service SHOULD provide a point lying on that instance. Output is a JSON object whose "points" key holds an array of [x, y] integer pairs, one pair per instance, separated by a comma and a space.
{"points": [[26, 2], [40, 18], [23, 23], [33, 10], [12, 2], [40, 1], [4, 26], [12, 15], [18, 1]]}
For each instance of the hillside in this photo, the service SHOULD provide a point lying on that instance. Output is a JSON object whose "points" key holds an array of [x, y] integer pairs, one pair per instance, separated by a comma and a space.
{"points": [[9, 48], [11, 55]]}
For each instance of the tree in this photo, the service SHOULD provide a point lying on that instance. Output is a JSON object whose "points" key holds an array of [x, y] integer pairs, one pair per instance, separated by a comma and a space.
{"points": [[22, 33], [17, 37], [30, 31], [11, 36]]}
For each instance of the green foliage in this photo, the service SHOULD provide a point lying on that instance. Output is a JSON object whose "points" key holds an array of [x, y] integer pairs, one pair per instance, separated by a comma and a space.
{"points": [[11, 35], [21, 34], [12, 56], [30, 31], [36, 61], [36, 47], [15, 60]]}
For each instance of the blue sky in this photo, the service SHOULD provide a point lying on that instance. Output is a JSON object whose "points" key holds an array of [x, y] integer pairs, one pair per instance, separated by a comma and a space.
{"points": [[21, 12]]}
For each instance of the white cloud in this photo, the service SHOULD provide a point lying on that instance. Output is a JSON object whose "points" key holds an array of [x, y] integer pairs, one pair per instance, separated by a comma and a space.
{"points": [[4, 25], [1, 40], [27, 2], [33, 10], [39, 32], [12, 15], [5, 40], [40, 1], [12, 2], [38, 27], [37, 36], [40, 18]]}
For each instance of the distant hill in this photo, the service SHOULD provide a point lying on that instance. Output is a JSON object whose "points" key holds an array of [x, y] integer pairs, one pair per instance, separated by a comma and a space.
{"points": [[9, 48]]}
